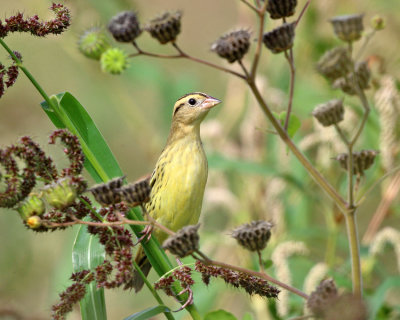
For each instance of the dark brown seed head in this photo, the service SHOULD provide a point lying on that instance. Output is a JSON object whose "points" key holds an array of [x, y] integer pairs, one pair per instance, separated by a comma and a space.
{"points": [[349, 27], [233, 45], [184, 242], [335, 63], [137, 192], [108, 193], [253, 236], [329, 113], [125, 26], [362, 160], [360, 78], [166, 27], [281, 38], [281, 8], [320, 299]]}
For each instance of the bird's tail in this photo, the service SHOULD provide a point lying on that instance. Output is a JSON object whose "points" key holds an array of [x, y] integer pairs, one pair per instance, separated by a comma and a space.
{"points": [[144, 264]]}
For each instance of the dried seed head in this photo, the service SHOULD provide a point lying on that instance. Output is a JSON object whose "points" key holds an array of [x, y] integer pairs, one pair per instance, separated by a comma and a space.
{"points": [[108, 193], [320, 299], [349, 27], [60, 194], [184, 242], [166, 27], [253, 236], [125, 26], [281, 38], [32, 206], [360, 78], [362, 160], [233, 45], [137, 192], [93, 42], [335, 63], [281, 8], [329, 113], [114, 61], [339, 309]]}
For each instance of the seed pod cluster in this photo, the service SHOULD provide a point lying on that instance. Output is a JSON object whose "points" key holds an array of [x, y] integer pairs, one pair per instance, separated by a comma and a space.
{"points": [[137, 192], [362, 160], [253, 236], [125, 26], [233, 45], [184, 242], [108, 193], [348, 27], [320, 299], [329, 113], [281, 38], [335, 63], [166, 27], [360, 78], [281, 8]]}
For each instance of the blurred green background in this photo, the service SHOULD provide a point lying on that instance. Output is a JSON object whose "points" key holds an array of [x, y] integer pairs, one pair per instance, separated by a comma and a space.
{"points": [[251, 174]]}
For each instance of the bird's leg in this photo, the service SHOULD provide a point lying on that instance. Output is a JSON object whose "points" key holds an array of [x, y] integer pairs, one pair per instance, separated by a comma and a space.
{"points": [[147, 231], [189, 301]]}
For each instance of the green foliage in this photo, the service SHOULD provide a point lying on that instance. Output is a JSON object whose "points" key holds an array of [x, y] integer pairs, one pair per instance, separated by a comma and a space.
{"points": [[219, 315], [148, 313]]}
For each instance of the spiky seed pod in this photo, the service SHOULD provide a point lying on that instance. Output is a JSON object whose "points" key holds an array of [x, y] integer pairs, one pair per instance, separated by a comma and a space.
{"points": [[166, 27], [60, 194], [184, 242], [253, 236], [281, 8], [281, 38], [125, 26], [329, 113], [114, 61], [349, 27], [362, 160], [93, 42], [335, 63], [137, 192], [108, 193], [233, 45], [320, 299], [32, 206]]}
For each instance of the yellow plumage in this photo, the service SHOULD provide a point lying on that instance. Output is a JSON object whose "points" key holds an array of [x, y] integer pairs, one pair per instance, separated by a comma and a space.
{"points": [[180, 175]]}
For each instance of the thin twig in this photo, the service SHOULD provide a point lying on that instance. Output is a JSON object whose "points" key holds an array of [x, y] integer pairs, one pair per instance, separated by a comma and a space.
{"points": [[290, 59], [260, 261], [244, 69], [249, 5], [302, 12]]}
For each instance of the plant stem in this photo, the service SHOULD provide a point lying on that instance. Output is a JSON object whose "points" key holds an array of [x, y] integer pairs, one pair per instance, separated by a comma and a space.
{"points": [[249, 5], [352, 234], [290, 59]]}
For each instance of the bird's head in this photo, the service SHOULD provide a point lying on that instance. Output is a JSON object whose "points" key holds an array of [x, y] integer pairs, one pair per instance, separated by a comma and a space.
{"points": [[193, 107]]}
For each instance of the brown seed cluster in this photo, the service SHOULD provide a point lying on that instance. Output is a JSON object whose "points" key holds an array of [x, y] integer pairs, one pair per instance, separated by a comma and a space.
{"points": [[108, 193], [125, 27], [166, 27], [137, 192], [359, 79], [329, 113], [184, 242], [233, 45], [362, 160], [253, 236], [281, 38], [335, 63], [281, 8], [348, 27]]}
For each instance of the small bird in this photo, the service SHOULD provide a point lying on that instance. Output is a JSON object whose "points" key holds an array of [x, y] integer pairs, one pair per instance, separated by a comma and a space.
{"points": [[179, 178]]}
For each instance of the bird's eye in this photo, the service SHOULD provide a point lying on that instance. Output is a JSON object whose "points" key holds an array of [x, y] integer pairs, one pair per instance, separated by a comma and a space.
{"points": [[192, 101]]}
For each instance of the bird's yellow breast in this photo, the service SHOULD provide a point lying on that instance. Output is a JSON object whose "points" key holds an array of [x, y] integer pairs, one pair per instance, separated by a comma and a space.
{"points": [[178, 182]]}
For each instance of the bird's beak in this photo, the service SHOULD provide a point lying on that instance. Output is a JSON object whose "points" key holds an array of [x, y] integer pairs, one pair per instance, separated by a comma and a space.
{"points": [[209, 103]]}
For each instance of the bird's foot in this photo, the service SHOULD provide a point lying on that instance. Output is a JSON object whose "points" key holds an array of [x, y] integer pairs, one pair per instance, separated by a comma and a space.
{"points": [[189, 300], [146, 234]]}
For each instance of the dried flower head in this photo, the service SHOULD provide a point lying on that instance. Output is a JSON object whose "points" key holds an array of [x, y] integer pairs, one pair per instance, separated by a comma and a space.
{"points": [[114, 61], [233, 45], [329, 113], [335, 63], [184, 242], [281, 8], [108, 193], [253, 236], [360, 78], [137, 192], [323, 296], [93, 43], [362, 160], [281, 38], [124, 27], [349, 27], [165, 28]]}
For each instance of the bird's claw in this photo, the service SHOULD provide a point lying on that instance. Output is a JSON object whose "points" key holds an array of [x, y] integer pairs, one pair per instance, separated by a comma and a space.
{"points": [[146, 234], [189, 301]]}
